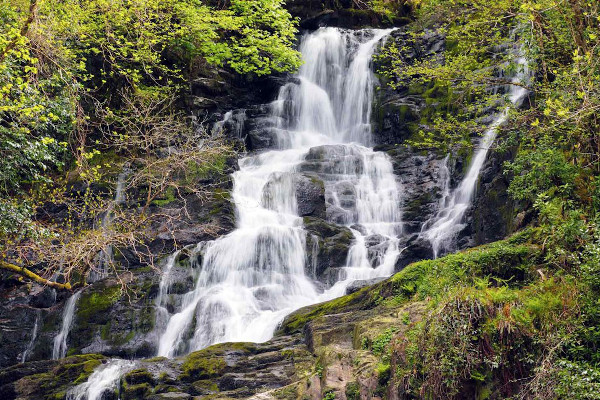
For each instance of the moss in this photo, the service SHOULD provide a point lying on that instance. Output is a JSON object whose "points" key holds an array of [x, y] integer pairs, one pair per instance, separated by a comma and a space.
{"points": [[205, 386], [168, 197], [138, 376], [200, 366], [88, 369], [295, 322], [135, 392], [97, 302], [155, 359], [66, 373]]}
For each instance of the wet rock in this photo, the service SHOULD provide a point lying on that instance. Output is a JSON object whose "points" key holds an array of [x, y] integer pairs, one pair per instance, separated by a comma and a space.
{"points": [[359, 284], [262, 138], [414, 248], [343, 13], [42, 297], [327, 247], [422, 185], [310, 195]]}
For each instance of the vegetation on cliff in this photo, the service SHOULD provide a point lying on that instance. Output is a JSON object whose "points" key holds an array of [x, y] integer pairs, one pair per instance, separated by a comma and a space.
{"points": [[89, 89], [488, 337]]}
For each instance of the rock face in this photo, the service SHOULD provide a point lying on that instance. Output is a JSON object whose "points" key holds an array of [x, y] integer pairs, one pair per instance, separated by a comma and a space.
{"points": [[344, 14], [113, 323]]}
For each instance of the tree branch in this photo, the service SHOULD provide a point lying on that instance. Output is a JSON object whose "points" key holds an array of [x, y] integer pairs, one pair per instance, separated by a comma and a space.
{"points": [[33, 276], [32, 8]]}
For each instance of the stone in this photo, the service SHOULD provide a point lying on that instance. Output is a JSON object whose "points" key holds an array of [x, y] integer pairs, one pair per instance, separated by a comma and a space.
{"points": [[310, 195]]}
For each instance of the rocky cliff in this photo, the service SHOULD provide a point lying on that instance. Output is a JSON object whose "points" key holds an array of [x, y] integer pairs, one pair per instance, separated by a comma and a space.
{"points": [[331, 348]]}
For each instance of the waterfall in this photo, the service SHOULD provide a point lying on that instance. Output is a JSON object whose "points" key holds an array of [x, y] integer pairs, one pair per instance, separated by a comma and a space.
{"points": [[60, 341], [162, 313], [104, 378], [248, 280], [31, 344], [449, 220]]}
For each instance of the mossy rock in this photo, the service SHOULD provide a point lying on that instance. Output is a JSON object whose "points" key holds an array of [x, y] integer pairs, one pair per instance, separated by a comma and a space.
{"points": [[134, 392], [137, 376], [210, 362], [511, 260], [66, 373], [93, 305], [205, 386]]}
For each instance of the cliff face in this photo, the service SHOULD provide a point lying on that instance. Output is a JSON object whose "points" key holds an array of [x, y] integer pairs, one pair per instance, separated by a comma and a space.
{"points": [[332, 348], [349, 348]]}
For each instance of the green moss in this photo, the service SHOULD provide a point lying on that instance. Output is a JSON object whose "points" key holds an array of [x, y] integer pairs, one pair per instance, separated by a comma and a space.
{"points": [[97, 302], [135, 392], [68, 371], [138, 376], [168, 197], [210, 362], [205, 386], [200, 366], [352, 391]]}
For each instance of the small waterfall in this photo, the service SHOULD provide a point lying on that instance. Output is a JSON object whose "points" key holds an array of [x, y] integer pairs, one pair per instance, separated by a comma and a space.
{"points": [[234, 120], [60, 341], [449, 221], [104, 378], [162, 313], [31, 344], [251, 278]]}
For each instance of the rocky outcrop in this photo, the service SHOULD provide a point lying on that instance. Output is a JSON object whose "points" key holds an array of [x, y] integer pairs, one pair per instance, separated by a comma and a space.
{"points": [[345, 14]]}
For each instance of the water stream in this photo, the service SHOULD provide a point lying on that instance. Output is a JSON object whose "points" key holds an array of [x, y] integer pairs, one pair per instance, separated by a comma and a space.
{"points": [[443, 228], [60, 347], [31, 344], [104, 378], [248, 280]]}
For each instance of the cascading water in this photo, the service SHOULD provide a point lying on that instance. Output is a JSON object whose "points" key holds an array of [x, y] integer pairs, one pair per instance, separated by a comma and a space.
{"points": [[59, 349], [104, 378], [441, 230], [31, 344], [247, 281]]}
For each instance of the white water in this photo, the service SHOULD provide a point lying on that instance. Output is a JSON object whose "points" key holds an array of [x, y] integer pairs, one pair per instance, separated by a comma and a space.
{"points": [[60, 341], [449, 221], [249, 280], [104, 378], [30, 345]]}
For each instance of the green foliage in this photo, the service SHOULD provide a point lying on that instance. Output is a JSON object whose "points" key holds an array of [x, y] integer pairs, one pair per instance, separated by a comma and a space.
{"points": [[329, 395], [93, 86], [381, 342], [578, 381]]}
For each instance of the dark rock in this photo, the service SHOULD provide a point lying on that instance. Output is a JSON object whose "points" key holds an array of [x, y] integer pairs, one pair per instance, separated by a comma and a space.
{"points": [[357, 285], [310, 196], [415, 248], [327, 247], [343, 13], [43, 297]]}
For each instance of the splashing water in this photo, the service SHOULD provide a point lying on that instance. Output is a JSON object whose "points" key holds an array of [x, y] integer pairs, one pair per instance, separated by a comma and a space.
{"points": [[60, 341], [442, 230], [103, 379], [248, 280]]}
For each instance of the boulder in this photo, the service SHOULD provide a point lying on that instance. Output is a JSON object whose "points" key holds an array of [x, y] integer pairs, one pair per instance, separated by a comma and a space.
{"points": [[327, 247], [310, 195]]}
